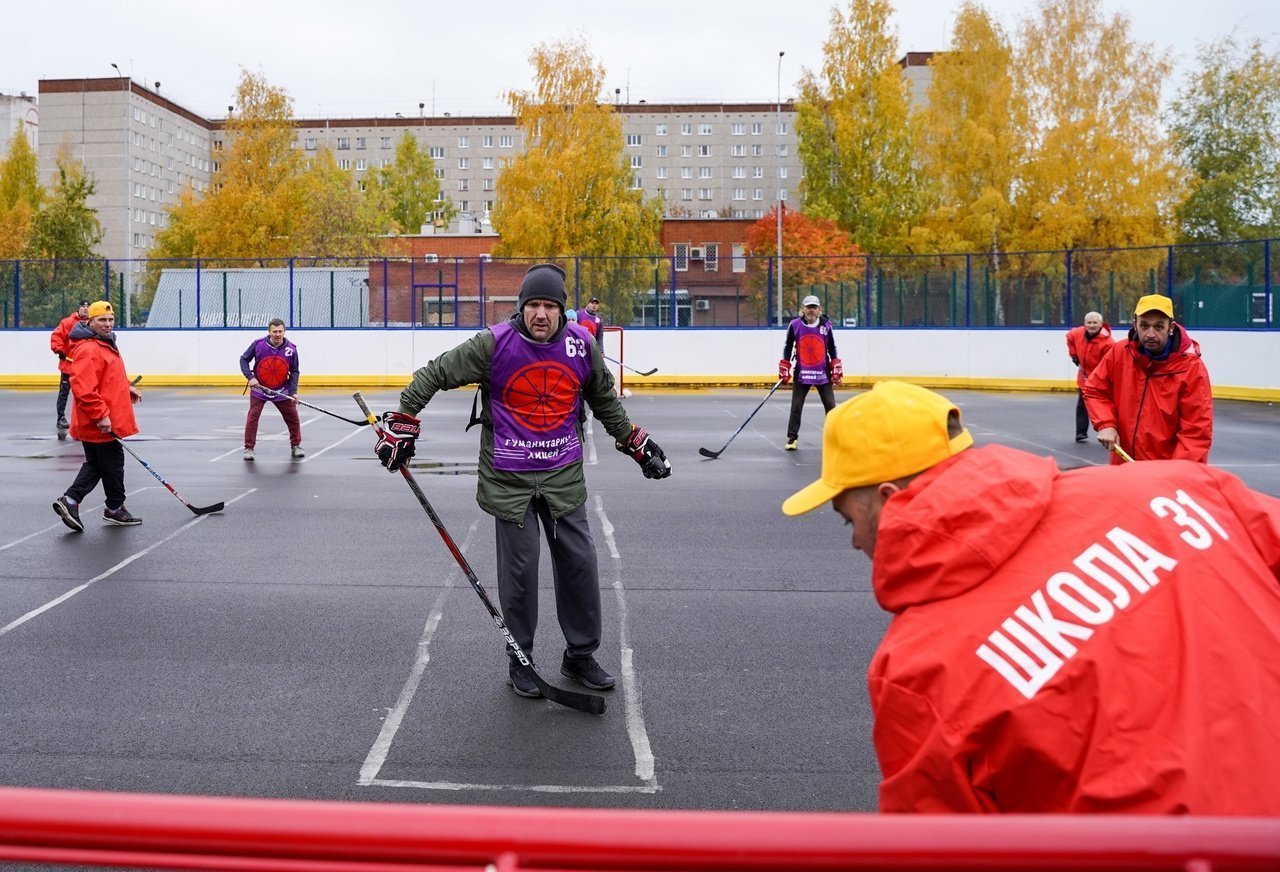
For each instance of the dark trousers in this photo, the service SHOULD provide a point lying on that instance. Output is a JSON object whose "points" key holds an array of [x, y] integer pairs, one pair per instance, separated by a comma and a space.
{"points": [[64, 391], [1082, 416], [288, 411], [798, 392], [103, 462], [575, 576]]}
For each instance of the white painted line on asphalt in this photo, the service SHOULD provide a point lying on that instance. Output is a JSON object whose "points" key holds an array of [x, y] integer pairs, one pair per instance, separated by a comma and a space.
{"points": [[631, 689], [270, 437], [58, 525], [588, 438], [354, 432], [395, 716], [526, 788], [121, 565]]}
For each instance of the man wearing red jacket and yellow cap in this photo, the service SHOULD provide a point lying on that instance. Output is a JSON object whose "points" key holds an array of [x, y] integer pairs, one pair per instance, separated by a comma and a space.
{"points": [[1047, 657], [101, 410], [1150, 396]]}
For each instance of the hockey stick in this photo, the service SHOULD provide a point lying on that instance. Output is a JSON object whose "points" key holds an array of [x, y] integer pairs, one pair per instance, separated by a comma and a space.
{"points": [[632, 368], [300, 402], [707, 452], [197, 510], [1124, 455], [583, 702], [135, 380]]}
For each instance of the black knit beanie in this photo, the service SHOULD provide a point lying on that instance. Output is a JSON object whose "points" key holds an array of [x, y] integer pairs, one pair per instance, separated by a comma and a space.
{"points": [[544, 281]]}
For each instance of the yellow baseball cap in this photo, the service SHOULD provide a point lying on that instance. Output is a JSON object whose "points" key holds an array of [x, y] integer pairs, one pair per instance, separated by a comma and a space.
{"points": [[1154, 303], [894, 430], [100, 307]]}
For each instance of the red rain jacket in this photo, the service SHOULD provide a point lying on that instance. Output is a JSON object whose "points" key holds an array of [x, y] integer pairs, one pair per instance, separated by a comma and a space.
{"points": [[99, 387], [1162, 409], [1088, 351], [58, 342], [1049, 656]]}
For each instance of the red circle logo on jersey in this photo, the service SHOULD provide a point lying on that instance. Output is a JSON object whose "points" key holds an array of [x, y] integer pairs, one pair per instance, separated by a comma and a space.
{"points": [[272, 372], [542, 395], [811, 350]]}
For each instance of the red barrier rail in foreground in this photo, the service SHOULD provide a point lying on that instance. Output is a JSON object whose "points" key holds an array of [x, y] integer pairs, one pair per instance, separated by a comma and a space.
{"points": [[186, 832]]}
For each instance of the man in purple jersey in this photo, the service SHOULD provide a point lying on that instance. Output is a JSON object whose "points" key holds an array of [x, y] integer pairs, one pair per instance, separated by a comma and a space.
{"points": [[813, 341], [272, 362], [535, 371]]}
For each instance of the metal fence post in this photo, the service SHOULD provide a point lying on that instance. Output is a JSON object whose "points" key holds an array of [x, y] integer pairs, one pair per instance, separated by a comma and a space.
{"points": [[386, 279], [1266, 280], [292, 323], [17, 293], [1067, 299], [1169, 274], [199, 277], [968, 290]]}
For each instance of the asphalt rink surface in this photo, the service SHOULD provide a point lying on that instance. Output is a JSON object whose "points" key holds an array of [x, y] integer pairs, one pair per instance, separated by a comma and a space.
{"points": [[317, 640]]}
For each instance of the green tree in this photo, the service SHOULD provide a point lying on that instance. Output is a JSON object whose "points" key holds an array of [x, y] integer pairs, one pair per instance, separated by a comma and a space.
{"points": [[570, 191], [340, 220], [1100, 171], [971, 134], [1226, 131], [411, 189], [20, 196], [855, 132], [66, 227]]}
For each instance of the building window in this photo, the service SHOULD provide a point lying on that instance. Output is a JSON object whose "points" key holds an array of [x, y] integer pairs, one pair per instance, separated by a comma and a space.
{"points": [[757, 151], [704, 193], [686, 193], [782, 172], [704, 173], [782, 194], [362, 142], [636, 161], [385, 162], [361, 185], [436, 151], [739, 172], [711, 254], [488, 184], [782, 128], [486, 142], [738, 128], [464, 142], [344, 164], [662, 172], [386, 142], [704, 129], [660, 130], [362, 164], [757, 128], [739, 193], [738, 150], [782, 149], [633, 139], [635, 183], [757, 172], [757, 194], [680, 251], [686, 129], [686, 151], [439, 174], [739, 262], [504, 141], [704, 151], [464, 163], [464, 184], [344, 143], [488, 163], [662, 151], [686, 172], [309, 143]]}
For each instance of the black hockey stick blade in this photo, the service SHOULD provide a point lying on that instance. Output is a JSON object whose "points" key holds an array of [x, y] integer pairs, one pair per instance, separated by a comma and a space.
{"points": [[707, 452], [632, 368], [135, 380], [645, 372], [198, 510], [302, 402], [582, 702], [206, 510]]}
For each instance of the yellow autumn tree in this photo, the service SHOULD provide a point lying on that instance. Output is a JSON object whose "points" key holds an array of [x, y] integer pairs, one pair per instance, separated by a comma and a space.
{"points": [[855, 133], [1100, 171], [340, 220], [255, 200], [971, 140], [20, 196], [570, 192]]}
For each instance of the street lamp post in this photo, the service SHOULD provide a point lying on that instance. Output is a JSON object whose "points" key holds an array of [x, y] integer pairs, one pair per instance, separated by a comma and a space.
{"points": [[777, 135], [128, 212]]}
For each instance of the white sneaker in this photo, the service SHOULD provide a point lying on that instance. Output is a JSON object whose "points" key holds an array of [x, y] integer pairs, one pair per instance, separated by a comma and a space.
{"points": [[248, 454], [296, 452]]}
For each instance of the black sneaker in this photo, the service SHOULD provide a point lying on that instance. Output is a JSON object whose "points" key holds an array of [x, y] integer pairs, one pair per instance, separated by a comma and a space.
{"points": [[120, 517], [69, 512], [63, 423], [1082, 438], [522, 682], [586, 671]]}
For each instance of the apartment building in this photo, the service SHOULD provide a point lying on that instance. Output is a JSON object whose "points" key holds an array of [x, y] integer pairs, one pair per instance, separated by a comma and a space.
{"points": [[18, 112]]}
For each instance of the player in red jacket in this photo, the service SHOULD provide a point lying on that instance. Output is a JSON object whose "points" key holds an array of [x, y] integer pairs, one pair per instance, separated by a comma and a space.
{"points": [[1151, 395], [1047, 657], [59, 344], [1086, 346]]}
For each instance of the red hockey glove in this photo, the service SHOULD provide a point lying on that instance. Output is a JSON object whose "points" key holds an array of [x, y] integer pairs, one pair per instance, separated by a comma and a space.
{"points": [[644, 451], [396, 438], [784, 371], [837, 371]]}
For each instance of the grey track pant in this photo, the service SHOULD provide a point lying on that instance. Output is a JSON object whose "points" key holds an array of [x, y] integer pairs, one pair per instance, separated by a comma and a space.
{"points": [[576, 577]]}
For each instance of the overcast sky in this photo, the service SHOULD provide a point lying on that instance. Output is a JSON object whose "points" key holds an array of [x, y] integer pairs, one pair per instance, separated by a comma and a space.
{"points": [[380, 57]]}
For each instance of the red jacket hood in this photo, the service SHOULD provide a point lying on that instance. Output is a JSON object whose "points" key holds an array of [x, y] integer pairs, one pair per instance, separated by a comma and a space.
{"points": [[932, 545]]}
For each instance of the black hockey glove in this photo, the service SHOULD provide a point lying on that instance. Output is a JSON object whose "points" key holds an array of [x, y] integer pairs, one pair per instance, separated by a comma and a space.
{"points": [[644, 451], [396, 437]]}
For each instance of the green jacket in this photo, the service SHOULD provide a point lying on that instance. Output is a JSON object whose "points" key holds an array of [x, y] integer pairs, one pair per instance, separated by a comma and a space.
{"points": [[506, 495]]}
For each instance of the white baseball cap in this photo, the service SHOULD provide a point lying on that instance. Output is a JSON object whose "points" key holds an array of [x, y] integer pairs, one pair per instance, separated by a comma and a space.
{"points": [[811, 300]]}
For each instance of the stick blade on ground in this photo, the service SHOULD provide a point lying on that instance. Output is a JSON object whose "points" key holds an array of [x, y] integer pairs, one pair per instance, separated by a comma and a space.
{"points": [[207, 510], [583, 702], [707, 452]]}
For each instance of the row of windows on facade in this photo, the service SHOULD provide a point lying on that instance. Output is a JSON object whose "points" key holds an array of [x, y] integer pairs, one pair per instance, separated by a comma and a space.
{"points": [[438, 152], [184, 134], [137, 140]]}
